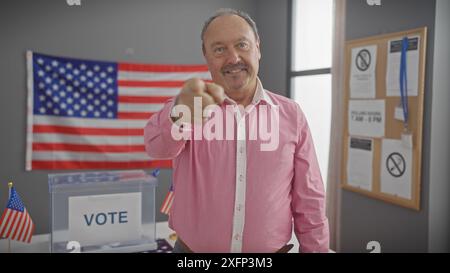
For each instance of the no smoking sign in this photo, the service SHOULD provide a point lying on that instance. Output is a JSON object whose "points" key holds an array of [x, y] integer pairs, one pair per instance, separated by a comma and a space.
{"points": [[363, 60], [395, 164]]}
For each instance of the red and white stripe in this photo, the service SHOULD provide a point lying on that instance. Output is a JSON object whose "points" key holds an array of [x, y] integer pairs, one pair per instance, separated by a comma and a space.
{"points": [[143, 89], [87, 143], [16, 225], [167, 203]]}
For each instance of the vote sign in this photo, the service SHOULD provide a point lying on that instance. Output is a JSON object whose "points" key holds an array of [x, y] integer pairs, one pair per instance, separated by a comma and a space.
{"points": [[107, 218]]}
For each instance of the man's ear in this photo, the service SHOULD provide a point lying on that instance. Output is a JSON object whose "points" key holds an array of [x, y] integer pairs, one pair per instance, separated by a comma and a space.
{"points": [[259, 49], [203, 50]]}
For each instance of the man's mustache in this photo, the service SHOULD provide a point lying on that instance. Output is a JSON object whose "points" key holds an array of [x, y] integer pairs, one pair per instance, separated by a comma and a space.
{"points": [[232, 67]]}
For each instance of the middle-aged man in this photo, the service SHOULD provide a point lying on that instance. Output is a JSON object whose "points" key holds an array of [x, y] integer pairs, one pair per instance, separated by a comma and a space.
{"points": [[233, 194]]}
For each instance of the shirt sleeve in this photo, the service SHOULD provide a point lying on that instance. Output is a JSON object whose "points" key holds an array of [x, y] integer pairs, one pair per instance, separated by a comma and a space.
{"points": [[159, 143], [308, 194]]}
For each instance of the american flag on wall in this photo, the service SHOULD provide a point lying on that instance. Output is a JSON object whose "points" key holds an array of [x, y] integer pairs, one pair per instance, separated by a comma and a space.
{"points": [[85, 114]]}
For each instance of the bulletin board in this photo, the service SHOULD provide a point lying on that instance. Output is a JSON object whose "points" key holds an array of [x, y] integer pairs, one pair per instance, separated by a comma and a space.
{"points": [[383, 165]]}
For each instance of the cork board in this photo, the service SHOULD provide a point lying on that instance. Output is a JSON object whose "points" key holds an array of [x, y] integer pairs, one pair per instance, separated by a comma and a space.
{"points": [[393, 128]]}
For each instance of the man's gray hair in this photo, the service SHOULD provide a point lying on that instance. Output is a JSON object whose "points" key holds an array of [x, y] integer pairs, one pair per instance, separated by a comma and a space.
{"points": [[227, 11]]}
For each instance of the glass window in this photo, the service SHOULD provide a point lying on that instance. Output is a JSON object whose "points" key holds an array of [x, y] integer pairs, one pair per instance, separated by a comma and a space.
{"points": [[313, 93], [310, 75], [312, 32]]}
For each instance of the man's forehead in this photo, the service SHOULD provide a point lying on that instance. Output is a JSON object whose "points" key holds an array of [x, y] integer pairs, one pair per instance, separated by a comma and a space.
{"points": [[229, 39], [228, 28]]}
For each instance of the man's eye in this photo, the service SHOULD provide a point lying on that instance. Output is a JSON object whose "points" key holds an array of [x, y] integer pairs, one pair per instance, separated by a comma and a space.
{"points": [[219, 50], [243, 45]]}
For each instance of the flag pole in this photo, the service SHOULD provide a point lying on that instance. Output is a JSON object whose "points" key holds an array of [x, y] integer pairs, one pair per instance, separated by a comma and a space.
{"points": [[10, 184]]}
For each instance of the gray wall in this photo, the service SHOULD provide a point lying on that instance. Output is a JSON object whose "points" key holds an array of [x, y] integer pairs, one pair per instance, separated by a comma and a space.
{"points": [[166, 31], [439, 216], [364, 219], [272, 20]]}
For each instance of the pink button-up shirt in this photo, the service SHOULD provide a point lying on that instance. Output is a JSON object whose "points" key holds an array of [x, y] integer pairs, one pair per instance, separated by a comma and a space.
{"points": [[231, 196]]}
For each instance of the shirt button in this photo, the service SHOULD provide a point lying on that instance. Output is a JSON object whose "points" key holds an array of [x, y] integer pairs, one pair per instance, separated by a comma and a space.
{"points": [[241, 177], [237, 237]]}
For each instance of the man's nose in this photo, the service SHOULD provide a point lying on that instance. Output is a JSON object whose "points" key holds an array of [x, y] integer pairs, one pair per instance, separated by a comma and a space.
{"points": [[233, 56]]}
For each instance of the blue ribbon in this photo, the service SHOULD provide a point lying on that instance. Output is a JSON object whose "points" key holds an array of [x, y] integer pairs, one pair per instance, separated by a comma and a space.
{"points": [[404, 80]]}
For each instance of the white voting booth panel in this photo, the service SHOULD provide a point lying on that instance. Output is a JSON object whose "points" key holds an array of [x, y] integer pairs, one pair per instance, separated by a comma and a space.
{"points": [[102, 211]]}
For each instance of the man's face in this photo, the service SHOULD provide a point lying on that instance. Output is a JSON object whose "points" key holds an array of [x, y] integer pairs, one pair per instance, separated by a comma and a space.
{"points": [[232, 54]]}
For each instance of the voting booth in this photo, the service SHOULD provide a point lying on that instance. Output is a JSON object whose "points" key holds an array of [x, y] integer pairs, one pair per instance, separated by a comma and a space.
{"points": [[102, 212]]}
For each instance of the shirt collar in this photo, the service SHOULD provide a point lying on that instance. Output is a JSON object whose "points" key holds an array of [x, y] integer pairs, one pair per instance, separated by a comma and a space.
{"points": [[260, 95]]}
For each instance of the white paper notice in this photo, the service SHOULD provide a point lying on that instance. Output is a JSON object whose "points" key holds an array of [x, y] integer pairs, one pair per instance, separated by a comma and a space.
{"points": [[366, 118], [396, 168], [359, 165], [107, 218], [393, 67], [362, 81]]}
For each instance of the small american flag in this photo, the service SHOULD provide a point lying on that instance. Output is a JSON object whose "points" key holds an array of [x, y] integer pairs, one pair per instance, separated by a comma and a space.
{"points": [[85, 114], [15, 222], [167, 203]]}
